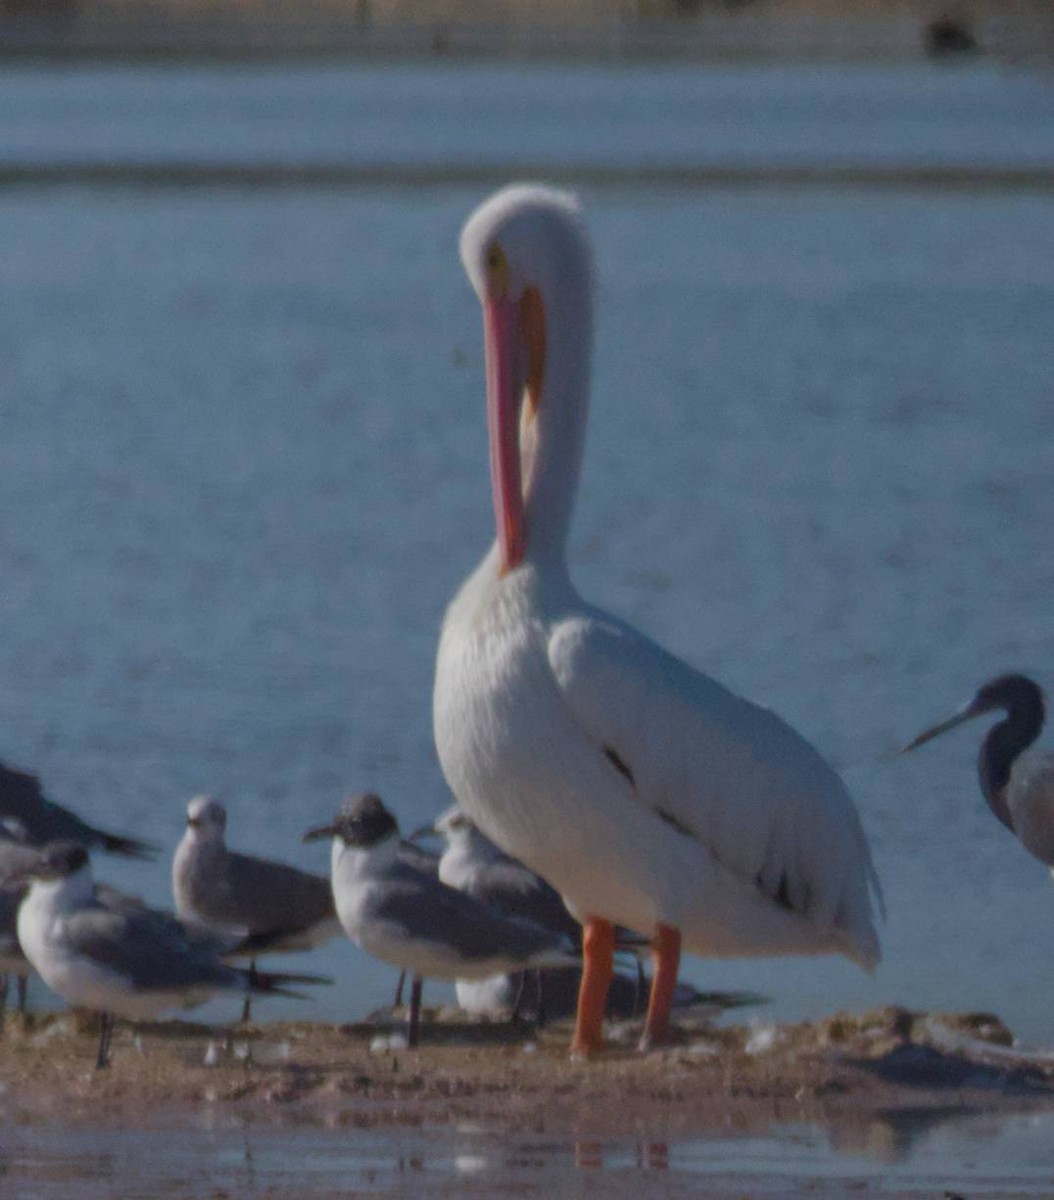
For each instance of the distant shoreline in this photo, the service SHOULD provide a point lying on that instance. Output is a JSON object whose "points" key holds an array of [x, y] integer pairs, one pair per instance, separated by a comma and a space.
{"points": [[344, 176], [156, 30]]}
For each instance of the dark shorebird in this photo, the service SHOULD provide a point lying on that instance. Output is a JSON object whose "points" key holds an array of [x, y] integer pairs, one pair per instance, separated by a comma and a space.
{"points": [[123, 958], [276, 906], [33, 818], [1018, 783], [406, 916]]}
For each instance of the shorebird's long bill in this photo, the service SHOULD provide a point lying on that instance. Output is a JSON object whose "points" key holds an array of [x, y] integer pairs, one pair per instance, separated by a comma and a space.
{"points": [[957, 718], [317, 835]]}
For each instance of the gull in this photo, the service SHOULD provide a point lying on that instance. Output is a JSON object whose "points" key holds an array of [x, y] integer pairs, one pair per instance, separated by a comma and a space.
{"points": [[16, 859], [472, 863], [123, 959], [278, 906], [405, 916]]}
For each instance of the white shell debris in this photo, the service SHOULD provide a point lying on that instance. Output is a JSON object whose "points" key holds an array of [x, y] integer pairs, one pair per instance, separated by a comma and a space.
{"points": [[763, 1038], [385, 1042]]}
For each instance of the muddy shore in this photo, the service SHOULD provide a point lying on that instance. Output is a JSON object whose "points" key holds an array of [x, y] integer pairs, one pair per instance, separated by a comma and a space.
{"points": [[718, 1077]]}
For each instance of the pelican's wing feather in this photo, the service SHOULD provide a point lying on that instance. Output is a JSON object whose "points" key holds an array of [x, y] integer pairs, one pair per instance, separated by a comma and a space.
{"points": [[725, 771]]}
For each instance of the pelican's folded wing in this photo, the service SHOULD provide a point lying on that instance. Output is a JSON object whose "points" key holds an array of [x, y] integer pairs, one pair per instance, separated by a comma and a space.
{"points": [[729, 773]]}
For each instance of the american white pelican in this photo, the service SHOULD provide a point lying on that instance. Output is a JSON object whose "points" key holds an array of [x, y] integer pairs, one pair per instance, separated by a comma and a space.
{"points": [[643, 790], [1019, 787]]}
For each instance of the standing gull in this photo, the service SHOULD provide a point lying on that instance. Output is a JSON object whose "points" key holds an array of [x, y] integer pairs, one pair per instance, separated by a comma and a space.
{"points": [[473, 864], [277, 906], [646, 793], [40, 820], [404, 915], [15, 862], [124, 960], [1017, 782]]}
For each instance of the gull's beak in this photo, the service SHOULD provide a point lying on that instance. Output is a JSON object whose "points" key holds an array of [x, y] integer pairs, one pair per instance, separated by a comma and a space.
{"points": [[317, 835], [425, 831], [966, 713]]}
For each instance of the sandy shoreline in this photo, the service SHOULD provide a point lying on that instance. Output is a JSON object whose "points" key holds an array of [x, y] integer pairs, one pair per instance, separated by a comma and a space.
{"points": [[737, 1076]]}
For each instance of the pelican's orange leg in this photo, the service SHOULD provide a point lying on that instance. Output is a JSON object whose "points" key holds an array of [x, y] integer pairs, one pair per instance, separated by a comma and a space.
{"points": [[598, 954], [666, 952]]}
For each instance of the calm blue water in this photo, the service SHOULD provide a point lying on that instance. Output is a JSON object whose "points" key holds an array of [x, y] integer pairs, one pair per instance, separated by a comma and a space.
{"points": [[243, 460]]}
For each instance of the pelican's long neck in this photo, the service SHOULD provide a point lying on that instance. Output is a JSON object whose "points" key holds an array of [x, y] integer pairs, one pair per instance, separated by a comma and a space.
{"points": [[553, 440], [1001, 748]]}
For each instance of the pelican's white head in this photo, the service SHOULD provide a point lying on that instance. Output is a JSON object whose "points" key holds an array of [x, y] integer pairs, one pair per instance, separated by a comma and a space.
{"points": [[206, 820], [527, 254]]}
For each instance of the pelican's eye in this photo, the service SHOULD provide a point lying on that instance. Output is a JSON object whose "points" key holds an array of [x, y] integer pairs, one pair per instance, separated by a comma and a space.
{"points": [[497, 269]]}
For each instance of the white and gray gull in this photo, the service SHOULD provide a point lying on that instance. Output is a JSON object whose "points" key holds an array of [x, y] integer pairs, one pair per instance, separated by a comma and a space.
{"points": [[406, 916], [125, 960], [15, 860], [1017, 781], [277, 906], [472, 863]]}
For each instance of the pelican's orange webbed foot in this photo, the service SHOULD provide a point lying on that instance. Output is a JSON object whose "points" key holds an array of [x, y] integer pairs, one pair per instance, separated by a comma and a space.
{"points": [[598, 954], [666, 952]]}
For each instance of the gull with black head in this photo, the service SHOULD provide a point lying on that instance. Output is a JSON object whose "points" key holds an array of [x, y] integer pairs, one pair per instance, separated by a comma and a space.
{"points": [[408, 917]]}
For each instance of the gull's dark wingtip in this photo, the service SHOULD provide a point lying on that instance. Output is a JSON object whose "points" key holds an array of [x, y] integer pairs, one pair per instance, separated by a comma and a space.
{"points": [[128, 847]]}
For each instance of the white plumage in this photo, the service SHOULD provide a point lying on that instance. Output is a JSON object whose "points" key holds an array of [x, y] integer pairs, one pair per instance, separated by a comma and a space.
{"points": [[643, 790]]}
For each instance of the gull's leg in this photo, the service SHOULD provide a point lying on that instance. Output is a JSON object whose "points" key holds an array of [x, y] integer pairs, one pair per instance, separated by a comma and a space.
{"points": [[248, 1005], [413, 1029], [598, 954], [514, 1016], [102, 1059], [22, 985], [666, 950], [398, 1002]]}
